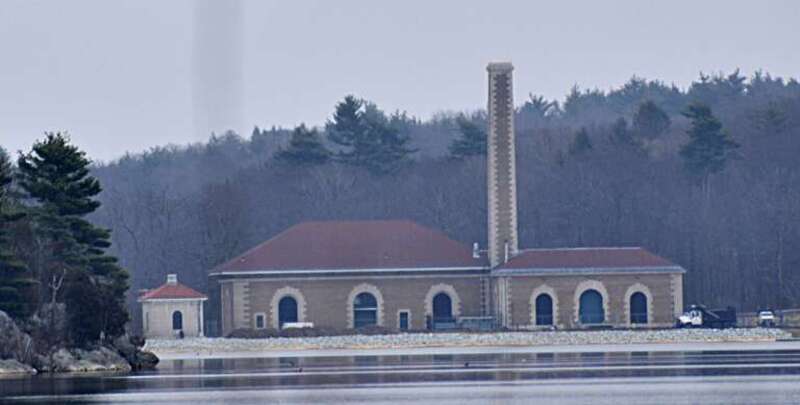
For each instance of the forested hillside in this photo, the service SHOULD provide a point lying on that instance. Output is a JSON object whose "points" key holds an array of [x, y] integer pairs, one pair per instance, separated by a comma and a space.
{"points": [[706, 176]]}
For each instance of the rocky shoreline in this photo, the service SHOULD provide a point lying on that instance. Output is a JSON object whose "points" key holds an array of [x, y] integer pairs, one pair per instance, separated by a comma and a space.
{"points": [[22, 355], [75, 360], [219, 346]]}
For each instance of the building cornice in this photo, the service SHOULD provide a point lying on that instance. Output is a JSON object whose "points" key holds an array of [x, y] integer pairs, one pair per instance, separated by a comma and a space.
{"points": [[567, 271], [172, 299], [315, 272]]}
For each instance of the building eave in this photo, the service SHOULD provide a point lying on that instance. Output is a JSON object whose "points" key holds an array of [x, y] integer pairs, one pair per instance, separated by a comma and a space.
{"points": [[171, 299], [567, 271], [333, 272]]}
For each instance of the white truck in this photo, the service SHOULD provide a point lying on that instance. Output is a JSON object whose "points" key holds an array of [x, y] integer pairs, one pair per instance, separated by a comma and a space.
{"points": [[699, 317], [766, 318]]}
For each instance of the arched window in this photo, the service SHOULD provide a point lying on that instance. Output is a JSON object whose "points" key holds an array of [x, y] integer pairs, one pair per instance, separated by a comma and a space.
{"points": [[442, 308], [287, 310], [638, 307], [544, 309], [177, 320], [365, 310], [591, 307]]}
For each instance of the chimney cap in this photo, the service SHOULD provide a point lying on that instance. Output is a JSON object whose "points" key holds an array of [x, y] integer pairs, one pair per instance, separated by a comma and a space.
{"points": [[172, 279], [500, 67]]}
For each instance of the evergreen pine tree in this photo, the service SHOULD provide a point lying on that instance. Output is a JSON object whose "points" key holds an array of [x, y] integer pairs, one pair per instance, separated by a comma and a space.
{"points": [[650, 121], [771, 120], [305, 149], [386, 146], [472, 141], [620, 134], [56, 174], [709, 147], [367, 138], [347, 130], [581, 143], [15, 279]]}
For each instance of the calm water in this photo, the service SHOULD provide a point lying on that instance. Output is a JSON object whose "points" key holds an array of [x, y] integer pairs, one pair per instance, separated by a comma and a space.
{"points": [[721, 377]]}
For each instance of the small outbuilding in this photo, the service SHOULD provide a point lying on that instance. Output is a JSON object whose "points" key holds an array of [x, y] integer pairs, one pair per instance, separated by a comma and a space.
{"points": [[172, 311]]}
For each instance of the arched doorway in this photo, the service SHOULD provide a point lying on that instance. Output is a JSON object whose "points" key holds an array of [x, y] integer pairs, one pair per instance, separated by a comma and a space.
{"points": [[442, 308], [365, 310], [287, 310], [544, 309], [177, 320], [591, 307], [638, 307]]}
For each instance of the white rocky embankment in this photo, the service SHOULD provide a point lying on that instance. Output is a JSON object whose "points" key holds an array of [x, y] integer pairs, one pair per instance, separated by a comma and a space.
{"points": [[10, 367], [212, 346], [79, 360], [18, 355]]}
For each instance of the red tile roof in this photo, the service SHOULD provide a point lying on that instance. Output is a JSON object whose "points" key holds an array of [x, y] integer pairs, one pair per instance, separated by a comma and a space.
{"points": [[354, 245], [576, 258], [172, 291]]}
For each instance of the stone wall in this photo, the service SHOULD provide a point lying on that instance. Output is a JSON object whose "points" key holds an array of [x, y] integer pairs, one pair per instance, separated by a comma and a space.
{"points": [[664, 298], [327, 302], [157, 317]]}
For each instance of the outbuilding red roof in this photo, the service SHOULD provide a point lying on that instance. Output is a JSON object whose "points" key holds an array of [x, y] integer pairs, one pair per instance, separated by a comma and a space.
{"points": [[354, 245], [172, 291], [578, 258]]}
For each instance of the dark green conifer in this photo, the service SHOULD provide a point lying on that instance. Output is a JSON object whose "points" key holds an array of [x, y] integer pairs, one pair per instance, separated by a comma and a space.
{"points": [[581, 143], [650, 121], [56, 175], [305, 149], [472, 141], [367, 138], [15, 280], [709, 147]]}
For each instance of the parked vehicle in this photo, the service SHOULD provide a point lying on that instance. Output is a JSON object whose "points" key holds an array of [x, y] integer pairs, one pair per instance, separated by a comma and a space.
{"points": [[698, 316], [766, 318]]}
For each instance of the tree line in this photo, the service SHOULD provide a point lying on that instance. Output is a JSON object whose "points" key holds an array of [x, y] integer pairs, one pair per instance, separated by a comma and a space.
{"points": [[705, 176]]}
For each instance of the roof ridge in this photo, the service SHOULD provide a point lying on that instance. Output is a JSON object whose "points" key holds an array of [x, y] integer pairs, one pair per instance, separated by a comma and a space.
{"points": [[374, 243], [583, 248], [327, 221], [306, 223], [153, 293]]}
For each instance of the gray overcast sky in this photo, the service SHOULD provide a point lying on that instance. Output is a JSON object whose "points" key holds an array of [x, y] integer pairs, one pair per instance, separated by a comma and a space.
{"points": [[118, 75]]}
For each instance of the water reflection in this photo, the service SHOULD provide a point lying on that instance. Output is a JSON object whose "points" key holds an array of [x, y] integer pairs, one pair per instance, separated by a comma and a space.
{"points": [[310, 372]]}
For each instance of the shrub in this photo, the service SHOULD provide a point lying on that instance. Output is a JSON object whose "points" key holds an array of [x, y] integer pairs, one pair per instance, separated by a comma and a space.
{"points": [[244, 333], [374, 330]]}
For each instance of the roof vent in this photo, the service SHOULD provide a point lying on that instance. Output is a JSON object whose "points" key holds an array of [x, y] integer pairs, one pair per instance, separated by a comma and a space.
{"points": [[172, 279]]}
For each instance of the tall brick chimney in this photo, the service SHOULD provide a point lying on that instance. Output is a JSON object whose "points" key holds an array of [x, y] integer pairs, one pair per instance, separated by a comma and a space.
{"points": [[502, 173]]}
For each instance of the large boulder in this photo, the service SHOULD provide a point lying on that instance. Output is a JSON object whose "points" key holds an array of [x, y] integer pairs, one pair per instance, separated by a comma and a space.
{"points": [[14, 343], [79, 360], [130, 347], [125, 346], [12, 367], [145, 361]]}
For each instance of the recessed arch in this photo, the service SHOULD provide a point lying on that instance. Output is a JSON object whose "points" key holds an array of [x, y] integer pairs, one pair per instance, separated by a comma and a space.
{"points": [[537, 292], [451, 293], [585, 286], [591, 308], [351, 300], [287, 310], [442, 307], [275, 305], [177, 320], [631, 291]]}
